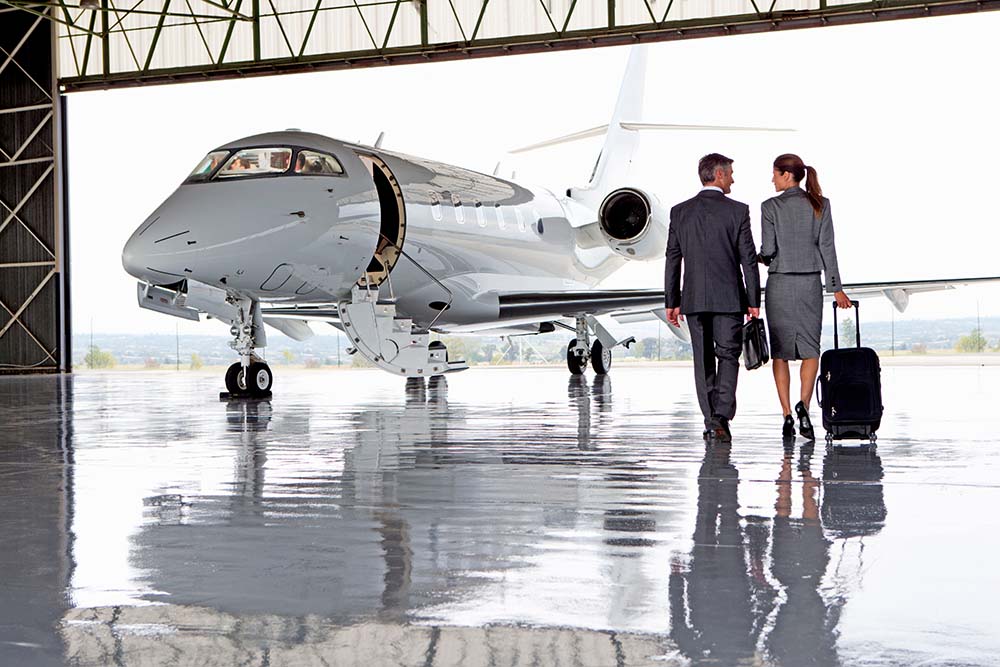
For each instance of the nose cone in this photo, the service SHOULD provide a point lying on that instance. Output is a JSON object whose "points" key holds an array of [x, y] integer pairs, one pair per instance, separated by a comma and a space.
{"points": [[132, 257], [145, 260]]}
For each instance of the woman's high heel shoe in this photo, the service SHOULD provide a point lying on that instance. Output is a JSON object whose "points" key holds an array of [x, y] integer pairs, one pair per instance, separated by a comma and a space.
{"points": [[788, 429], [805, 425]]}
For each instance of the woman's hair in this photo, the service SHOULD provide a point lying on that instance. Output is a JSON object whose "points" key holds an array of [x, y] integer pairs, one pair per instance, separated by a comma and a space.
{"points": [[793, 164]]}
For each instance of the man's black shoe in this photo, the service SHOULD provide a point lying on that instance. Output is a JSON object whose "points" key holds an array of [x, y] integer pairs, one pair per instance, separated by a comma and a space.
{"points": [[788, 428], [805, 425], [721, 433]]}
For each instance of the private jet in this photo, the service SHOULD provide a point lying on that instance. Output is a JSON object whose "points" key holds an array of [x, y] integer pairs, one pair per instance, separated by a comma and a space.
{"points": [[290, 228]]}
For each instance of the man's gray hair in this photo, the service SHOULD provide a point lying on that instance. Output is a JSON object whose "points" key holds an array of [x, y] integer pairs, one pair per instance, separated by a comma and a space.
{"points": [[708, 164]]}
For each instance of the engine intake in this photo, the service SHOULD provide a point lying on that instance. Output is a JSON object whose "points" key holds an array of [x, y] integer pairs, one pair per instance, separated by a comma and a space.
{"points": [[633, 224]]}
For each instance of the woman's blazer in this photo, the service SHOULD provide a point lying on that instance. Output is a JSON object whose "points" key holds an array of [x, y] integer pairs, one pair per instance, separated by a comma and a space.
{"points": [[794, 240]]}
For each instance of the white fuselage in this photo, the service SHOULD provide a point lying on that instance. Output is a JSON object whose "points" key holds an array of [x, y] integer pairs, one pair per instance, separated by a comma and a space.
{"points": [[307, 239]]}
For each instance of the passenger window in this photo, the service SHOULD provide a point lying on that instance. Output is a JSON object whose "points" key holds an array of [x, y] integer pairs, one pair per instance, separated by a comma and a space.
{"points": [[256, 162], [312, 163], [436, 207], [456, 201], [207, 167]]}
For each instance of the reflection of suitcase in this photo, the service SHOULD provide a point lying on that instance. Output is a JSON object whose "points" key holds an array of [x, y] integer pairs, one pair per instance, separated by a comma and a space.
{"points": [[849, 388]]}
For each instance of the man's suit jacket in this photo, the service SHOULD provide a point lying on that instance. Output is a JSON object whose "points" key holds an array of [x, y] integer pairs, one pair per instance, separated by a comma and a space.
{"points": [[711, 233], [795, 240]]}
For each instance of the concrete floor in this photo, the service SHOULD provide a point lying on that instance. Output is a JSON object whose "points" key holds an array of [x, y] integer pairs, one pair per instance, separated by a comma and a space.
{"points": [[508, 517]]}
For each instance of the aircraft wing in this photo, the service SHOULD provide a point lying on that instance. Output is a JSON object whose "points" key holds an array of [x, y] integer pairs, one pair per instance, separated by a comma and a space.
{"points": [[518, 309], [623, 304]]}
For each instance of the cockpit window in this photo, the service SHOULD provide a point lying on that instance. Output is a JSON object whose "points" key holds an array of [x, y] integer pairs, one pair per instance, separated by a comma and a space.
{"points": [[311, 163], [207, 166], [256, 162]]}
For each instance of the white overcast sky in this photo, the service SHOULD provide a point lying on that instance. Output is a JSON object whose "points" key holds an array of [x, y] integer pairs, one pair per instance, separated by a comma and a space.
{"points": [[899, 118]]}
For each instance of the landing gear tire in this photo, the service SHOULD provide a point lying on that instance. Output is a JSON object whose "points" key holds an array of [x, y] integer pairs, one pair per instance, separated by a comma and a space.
{"points": [[260, 379], [233, 379], [256, 383], [600, 358], [577, 363]]}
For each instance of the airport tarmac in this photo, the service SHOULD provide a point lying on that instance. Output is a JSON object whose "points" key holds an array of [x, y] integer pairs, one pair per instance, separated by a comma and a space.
{"points": [[503, 517]]}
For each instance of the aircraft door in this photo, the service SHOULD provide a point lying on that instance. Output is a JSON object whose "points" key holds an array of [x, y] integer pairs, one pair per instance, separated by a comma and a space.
{"points": [[392, 231]]}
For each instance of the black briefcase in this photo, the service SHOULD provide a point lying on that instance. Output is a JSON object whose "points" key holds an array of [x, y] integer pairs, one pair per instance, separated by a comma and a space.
{"points": [[756, 352], [849, 387]]}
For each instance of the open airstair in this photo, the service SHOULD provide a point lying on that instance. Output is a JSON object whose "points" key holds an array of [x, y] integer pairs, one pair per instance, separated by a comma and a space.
{"points": [[391, 342]]}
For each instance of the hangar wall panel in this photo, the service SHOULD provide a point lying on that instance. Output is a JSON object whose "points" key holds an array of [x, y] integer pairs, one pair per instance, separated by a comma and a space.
{"points": [[33, 326]]}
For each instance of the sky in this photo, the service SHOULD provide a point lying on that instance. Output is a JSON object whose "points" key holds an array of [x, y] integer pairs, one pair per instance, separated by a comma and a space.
{"points": [[899, 119]]}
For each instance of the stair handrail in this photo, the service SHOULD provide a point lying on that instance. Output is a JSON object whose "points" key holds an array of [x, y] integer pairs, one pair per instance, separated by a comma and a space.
{"points": [[427, 273]]}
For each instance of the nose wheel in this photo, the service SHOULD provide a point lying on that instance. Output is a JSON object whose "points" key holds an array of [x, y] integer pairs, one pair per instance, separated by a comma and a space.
{"points": [[253, 382]]}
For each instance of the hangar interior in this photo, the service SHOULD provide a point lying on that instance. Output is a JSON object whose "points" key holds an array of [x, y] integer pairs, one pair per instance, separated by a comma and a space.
{"points": [[401, 512], [50, 49]]}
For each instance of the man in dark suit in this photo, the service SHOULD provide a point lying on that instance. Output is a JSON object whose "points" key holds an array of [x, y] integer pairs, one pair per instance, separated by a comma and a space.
{"points": [[711, 234]]}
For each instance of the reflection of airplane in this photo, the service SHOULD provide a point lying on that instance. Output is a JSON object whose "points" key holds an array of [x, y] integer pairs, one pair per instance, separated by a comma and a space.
{"points": [[289, 227]]}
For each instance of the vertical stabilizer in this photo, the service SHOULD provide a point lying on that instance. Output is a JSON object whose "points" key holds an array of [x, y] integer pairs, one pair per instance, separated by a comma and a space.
{"points": [[620, 145]]}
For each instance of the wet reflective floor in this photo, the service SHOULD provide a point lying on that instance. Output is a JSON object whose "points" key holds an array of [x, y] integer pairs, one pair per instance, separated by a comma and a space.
{"points": [[504, 517]]}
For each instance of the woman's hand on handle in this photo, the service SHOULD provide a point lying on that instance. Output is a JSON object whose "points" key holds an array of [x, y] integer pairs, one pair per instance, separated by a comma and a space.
{"points": [[842, 300]]}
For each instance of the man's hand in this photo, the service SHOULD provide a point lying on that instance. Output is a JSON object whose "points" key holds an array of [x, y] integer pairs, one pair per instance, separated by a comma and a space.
{"points": [[753, 312], [674, 316], [842, 300]]}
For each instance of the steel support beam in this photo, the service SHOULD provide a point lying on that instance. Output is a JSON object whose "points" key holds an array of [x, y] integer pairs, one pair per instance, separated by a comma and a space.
{"points": [[34, 324], [759, 18]]}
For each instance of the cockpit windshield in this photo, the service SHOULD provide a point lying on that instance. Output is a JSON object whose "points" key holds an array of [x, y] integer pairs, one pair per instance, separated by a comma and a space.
{"points": [[207, 166], [256, 161], [271, 161]]}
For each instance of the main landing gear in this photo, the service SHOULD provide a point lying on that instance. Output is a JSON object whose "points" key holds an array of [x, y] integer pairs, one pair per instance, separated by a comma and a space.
{"points": [[581, 351], [250, 377]]}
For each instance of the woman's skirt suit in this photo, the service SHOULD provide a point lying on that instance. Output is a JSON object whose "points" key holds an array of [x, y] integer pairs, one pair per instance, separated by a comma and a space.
{"points": [[796, 245]]}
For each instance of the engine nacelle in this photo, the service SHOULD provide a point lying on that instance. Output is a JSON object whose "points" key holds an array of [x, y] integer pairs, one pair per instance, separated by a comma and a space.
{"points": [[634, 224]]}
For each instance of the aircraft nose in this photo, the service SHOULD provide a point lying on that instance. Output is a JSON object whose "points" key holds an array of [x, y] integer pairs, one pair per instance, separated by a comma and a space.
{"points": [[133, 257], [131, 260], [143, 259]]}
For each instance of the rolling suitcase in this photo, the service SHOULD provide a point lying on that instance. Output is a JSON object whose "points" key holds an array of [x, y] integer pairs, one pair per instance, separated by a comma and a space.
{"points": [[849, 388]]}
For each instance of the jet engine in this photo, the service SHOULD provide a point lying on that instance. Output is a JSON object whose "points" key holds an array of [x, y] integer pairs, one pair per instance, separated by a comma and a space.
{"points": [[634, 224]]}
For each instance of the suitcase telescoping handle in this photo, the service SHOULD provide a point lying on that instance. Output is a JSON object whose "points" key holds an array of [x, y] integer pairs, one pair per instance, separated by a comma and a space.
{"points": [[857, 325]]}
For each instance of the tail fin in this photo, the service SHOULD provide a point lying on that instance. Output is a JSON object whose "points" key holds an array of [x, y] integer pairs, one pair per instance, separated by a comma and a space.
{"points": [[620, 144]]}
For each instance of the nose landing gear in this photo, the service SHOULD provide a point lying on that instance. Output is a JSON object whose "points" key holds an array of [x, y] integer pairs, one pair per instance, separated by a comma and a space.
{"points": [[250, 377]]}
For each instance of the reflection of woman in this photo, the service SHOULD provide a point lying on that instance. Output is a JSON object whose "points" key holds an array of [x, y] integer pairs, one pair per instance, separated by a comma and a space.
{"points": [[802, 633], [797, 243]]}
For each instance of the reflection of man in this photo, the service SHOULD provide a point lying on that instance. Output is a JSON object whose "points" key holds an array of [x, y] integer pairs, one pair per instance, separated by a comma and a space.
{"points": [[716, 609]]}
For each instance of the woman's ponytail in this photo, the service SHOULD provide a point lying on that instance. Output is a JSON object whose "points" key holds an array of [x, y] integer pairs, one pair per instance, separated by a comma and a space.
{"points": [[793, 164], [813, 190]]}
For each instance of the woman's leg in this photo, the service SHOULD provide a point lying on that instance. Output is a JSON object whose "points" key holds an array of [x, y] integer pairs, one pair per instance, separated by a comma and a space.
{"points": [[782, 380], [807, 375]]}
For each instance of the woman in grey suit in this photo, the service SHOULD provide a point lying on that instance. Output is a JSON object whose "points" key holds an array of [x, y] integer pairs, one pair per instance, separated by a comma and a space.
{"points": [[797, 243]]}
